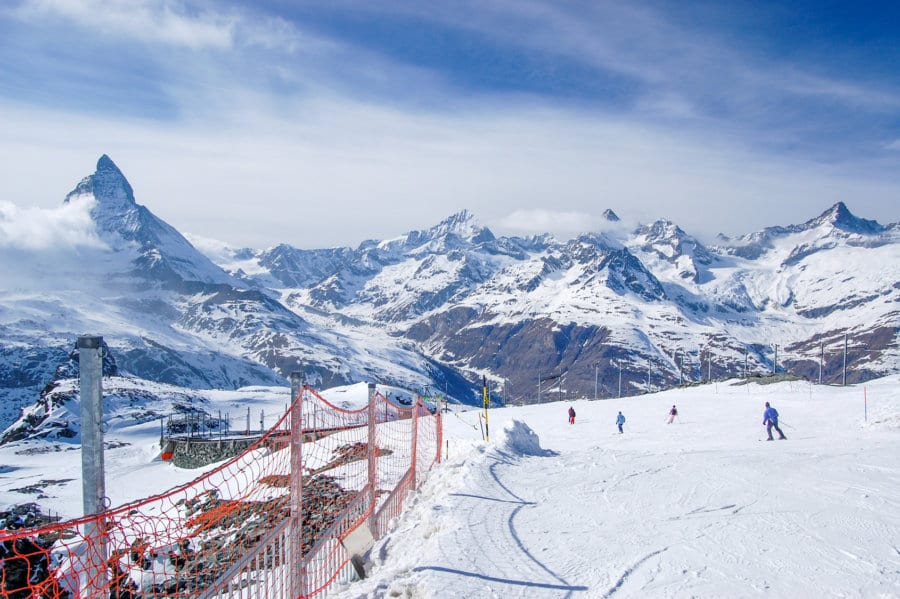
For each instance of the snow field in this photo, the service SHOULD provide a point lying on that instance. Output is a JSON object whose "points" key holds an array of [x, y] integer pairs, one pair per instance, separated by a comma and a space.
{"points": [[703, 507]]}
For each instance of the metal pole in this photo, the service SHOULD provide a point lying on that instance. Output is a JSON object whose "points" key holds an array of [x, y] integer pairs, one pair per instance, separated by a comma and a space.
{"points": [[649, 367], [596, 372], [620, 380], [821, 362], [844, 379], [775, 362], [414, 448], [90, 365], [296, 378], [680, 368], [297, 569], [372, 464], [708, 366]]}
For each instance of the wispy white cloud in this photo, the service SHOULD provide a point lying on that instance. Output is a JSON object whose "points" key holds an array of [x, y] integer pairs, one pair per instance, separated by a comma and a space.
{"points": [[57, 229], [165, 21], [671, 70], [293, 137], [802, 83], [330, 172], [538, 220]]}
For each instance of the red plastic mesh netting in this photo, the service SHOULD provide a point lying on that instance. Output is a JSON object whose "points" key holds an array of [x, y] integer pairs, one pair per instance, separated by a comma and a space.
{"points": [[248, 528]]}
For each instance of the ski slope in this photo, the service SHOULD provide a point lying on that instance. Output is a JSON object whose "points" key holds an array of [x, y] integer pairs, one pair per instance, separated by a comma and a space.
{"points": [[703, 507]]}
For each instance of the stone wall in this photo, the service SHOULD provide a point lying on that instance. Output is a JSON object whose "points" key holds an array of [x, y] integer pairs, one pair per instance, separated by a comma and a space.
{"points": [[196, 452]]}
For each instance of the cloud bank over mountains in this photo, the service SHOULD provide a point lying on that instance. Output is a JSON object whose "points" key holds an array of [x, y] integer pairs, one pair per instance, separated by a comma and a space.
{"points": [[345, 116], [66, 227]]}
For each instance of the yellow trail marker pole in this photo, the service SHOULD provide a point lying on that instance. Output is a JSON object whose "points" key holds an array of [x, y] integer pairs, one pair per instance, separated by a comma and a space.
{"points": [[487, 434]]}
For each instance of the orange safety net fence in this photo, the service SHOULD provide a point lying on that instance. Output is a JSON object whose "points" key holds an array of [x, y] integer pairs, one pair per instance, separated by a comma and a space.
{"points": [[283, 519]]}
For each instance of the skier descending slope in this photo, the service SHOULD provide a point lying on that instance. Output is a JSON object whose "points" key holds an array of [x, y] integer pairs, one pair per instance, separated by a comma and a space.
{"points": [[672, 414], [770, 421]]}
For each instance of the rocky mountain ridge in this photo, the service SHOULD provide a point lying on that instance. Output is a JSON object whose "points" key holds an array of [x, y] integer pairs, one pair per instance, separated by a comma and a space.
{"points": [[438, 308]]}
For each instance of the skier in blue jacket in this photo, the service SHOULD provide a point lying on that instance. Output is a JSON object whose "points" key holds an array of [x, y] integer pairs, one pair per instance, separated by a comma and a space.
{"points": [[620, 420], [770, 421]]}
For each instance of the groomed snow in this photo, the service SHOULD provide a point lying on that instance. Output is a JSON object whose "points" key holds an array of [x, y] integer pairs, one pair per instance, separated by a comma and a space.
{"points": [[703, 507]]}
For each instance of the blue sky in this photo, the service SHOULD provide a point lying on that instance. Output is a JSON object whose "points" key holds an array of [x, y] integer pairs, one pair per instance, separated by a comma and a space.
{"points": [[326, 123]]}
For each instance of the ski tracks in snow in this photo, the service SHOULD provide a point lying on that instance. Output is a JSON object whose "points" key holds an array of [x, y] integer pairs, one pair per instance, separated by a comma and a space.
{"points": [[628, 572], [496, 512]]}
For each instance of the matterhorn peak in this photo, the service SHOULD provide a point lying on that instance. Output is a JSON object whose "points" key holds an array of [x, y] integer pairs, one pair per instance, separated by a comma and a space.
{"points": [[105, 163], [611, 216], [108, 185]]}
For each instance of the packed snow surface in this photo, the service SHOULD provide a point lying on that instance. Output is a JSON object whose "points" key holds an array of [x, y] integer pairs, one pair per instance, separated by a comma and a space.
{"points": [[702, 507]]}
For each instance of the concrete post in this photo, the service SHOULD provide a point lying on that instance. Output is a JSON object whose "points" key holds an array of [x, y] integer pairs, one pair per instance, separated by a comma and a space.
{"points": [[90, 364], [295, 543]]}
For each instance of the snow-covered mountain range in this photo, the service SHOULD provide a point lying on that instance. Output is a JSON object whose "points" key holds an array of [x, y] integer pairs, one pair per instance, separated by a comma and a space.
{"points": [[437, 309]]}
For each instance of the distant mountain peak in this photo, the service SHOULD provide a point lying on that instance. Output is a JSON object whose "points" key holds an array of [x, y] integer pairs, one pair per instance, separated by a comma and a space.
{"points": [[611, 216], [840, 217], [108, 186], [461, 222], [464, 225], [661, 229]]}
